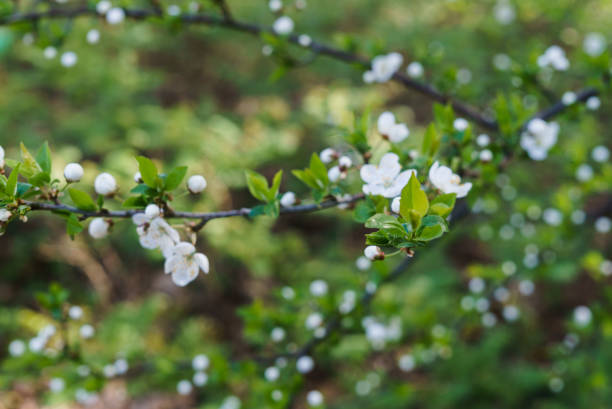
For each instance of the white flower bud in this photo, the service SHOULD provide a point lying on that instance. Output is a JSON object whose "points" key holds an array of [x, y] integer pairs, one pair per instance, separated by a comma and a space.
{"points": [[68, 59], [103, 6], [460, 124], [275, 5], [271, 374], [152, 211], [277, 334], [184, 387], [314, 398], [334, 174], [93, 36], [486, 155], [345, 162], [304, 40], [374, 253], [86, 331], [304, 364], [288, 199], [56, 385], [17, 347], [105, 184], [283, 25], [138, 177], [115, 15], [73, 172], [327, 155], [200, 362], [196, 184], [98, 228], [200, 379], [75, 312], [1, 157], [415, 69], [5, 215], [395, 205]]}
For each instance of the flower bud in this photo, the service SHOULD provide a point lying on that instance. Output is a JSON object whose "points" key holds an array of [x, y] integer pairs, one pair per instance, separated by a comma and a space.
{"points": [[73, 172], [345, 162], [115, 15], [1, 157], [395, 205], [374, 253], [5, 215], [196, 184], [327, 155], [105, 184], [288, 199], [138, 177], [334, 174], [98, 228], [152, 211]]}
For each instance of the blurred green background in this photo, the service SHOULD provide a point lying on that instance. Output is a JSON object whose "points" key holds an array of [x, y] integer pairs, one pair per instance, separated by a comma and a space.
{"points": [[209, 99]]}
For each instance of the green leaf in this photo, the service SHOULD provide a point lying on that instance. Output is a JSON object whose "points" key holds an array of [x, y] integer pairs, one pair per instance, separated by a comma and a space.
{"points": [[11, 183], [134, 202], [273, 192], [40, 179], [43, 157], [148, 170], [73, 226], [431, 228], [413, 203], [258, 185], [82, 200], [431, 141], [319, 170], [307, 177], [22, 188], [442, 205], [175, 177], [29, 166], [364, 210]]}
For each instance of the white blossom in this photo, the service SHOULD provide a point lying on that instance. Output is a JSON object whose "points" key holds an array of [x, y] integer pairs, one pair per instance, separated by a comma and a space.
{"points": [[275, 5], [334, 174], [231, 402], [363, 263], [526, 287], [556, 384], [86, 331], [98, 228], [5, 215], [75, 312], [313, 321], [328, 155], [582, 316], [68, 59], [594, 44], [200, 362], [552, 216], [488, 319], [173, 10], [349, 299], [345, 162], [395, 205], [318, 288], [271, 374], [464, 76], [554, 57], [383, 67], [584, 172], [483, 140], [486, 155], [504, 12], [283, 25], [406, 362], [155, 232], [539, 138], [314, 398], [267, 50], [93, 36], [386, 179], [304, 364], [152, 211], [277, 334], [196, 184], [184, 387], [568, 98], [600, 154], [593, 103], [103, 6], [73, 172], [304, 40], [373, 253], [115, 15], [50, 52], [288, 199], [502, 62], [415, 69], [443, 178], [603, 224], [395, 132], [184, 264], [17, 348], [1, 157], [56, 385], [200, 379], [105, 184], [121, 366], [460, 124], [511, 312], [300, 4], [476, 284]]}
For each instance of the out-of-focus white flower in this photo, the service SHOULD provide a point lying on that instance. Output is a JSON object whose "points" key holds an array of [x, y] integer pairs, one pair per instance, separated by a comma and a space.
{"points": [[606, 267], [121, 366], [383, 67], [476, 285], [200, 362], [196, 184], [464, 76], [115, 15], [304, 364], [502, 62], [267, 50], [231, 402], [584, 172], [85, 397], [98, 228], [87, 331], [73, 172], [379, 333], [603, 224], [600, 154], [554, 57], [594, 44], [406, 362], [556, 384], [504, 12], [17, 348], [318, 288], [374, 253], [200, 379], [314, 398], [349, 299], [593, 103], [275, 5], [415, 69], [5, 215], [283, 25], [75, 312], [288, 199], [109, 371], [345, 162], [526, 287], [511, 312], [184, 387], [277, 334], [328, 155], [155, 232], [388, 128], [460, 124], [488, 319], [300, 4], [363, 263], [568, 98], [184, 264], [313, 321], [539, 138], [582, 315], [334, 174], [443, 178], [288, 293], [483, 140], [173, 10], [1, 157], [105, 184], [68, 59], [93, 36], [486, 155], [304, 40], [501, 294], [386, 179], [138, 177], [271, 374], [103, 6], [578, 216], [50, 52], [56, 385], [395, 205], [552, 216]]}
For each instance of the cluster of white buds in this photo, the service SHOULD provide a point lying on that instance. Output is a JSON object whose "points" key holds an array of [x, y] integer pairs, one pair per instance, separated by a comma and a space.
{"points": [[554, 57], [383, 68], [539, 138]]}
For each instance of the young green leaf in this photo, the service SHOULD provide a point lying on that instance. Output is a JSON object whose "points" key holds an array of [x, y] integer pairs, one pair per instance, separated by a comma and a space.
{"points": [[273, 192], [175, 177], [319, 170], [11, 183], [148, 170], [414, 203], [258, 185], [29, 165], [82, 200], [443, 204], [43, 157]]}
